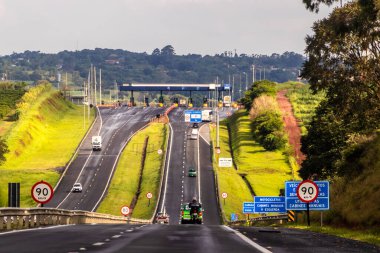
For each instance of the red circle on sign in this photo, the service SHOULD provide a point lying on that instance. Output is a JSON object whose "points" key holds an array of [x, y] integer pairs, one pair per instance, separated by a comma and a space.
{"points": [[46, 184], [149, 195], [125, 210], [314, 197], [224, 195]]}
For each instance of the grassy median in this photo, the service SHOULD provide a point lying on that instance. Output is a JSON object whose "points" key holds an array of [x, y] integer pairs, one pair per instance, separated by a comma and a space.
{"points": [[41, 142], [124, 184]]}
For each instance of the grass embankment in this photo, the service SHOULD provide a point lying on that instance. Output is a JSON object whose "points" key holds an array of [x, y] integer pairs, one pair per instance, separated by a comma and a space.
{"points": [[124, 184], [265, 171], [41, 142]]}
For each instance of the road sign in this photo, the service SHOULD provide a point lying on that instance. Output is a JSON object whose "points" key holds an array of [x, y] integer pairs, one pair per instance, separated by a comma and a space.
{"points": [[224, 195], [248, 207], [149, 195], [269, 204], [225, 162], [307, 191], [291, 215], [193, 116], [227, 86], [125, 210], [159, 151], [42, 192], [217, 149], [234, 217], [292, 202]]}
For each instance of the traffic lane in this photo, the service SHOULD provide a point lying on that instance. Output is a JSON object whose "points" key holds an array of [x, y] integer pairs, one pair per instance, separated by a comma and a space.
{"points": [[190, 183], [281, 240], [72, 238], [174, 184], [72, 172], [208, 186], [97, 176], [126, 238]]}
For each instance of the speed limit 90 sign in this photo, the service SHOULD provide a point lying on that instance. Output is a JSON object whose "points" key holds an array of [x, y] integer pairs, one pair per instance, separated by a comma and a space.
{"points": [[307, 191], [42, 192]]}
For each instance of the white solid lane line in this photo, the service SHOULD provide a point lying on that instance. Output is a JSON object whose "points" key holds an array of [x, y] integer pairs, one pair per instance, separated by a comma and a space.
{"points": [[247, 240], [167, 167]]}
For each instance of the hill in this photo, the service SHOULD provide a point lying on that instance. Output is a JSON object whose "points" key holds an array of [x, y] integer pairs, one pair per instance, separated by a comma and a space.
{"points": [[41, 141]]}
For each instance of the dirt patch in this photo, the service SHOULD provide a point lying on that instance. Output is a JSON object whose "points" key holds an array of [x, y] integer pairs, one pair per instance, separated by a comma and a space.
{"points": [[291, 126]]}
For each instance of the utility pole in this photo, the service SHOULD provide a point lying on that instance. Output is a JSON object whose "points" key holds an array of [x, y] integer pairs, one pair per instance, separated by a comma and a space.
{"points": [[84, 105], [253, 74], [96, 102], [100, 85]]}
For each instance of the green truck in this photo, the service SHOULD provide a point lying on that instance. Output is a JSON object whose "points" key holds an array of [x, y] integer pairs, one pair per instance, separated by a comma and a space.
{"points": [[191, 213]]}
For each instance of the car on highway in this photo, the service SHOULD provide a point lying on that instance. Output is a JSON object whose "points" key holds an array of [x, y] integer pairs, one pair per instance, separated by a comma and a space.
{"points": [[195, 125], [162, 218], [194, 134], [192, 172], [77, 187]]}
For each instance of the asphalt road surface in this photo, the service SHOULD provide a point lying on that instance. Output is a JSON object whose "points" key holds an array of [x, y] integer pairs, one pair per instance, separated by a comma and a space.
{"points": [[173, 238], [93, 169], [180, 188]]}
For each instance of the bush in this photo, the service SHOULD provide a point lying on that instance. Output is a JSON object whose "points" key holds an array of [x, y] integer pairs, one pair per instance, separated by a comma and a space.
{"points": [[268, 129]]}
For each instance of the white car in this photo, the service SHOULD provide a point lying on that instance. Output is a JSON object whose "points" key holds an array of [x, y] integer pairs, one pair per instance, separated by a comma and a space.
{"points": [[77, 187]]}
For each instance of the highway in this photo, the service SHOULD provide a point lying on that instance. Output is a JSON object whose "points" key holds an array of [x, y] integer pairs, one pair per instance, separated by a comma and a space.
{"points": [[93, 169], [179, 187]]}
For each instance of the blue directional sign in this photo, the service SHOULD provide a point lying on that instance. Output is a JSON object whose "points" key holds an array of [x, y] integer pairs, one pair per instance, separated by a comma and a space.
{"points": [[269, 204], [234, 217], [248, 207], [193, 116], [227, 86], [293, 203]]}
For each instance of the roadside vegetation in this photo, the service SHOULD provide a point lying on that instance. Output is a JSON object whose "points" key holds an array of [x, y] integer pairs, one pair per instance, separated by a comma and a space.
{"points": [[303, 101], [124, 185], [42, 140], [258, 171]]}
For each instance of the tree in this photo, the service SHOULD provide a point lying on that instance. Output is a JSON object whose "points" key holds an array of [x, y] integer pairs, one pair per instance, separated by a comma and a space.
{"points": [[168, 50], [156, 52], [3, 150], [258, 88], [343, 61]]}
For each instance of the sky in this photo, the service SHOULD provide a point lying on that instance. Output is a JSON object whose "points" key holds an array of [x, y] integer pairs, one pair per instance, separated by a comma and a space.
{"points": [[190, 26]]}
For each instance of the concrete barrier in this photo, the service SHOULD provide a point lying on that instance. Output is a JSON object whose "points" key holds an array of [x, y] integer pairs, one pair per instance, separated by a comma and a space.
{"points": [[21, 218]]}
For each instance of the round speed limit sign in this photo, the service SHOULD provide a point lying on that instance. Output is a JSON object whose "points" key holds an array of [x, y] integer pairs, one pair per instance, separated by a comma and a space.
{"points": [[149, 195], [42, 192], [307, 191], [224, 195], [125, 210]]}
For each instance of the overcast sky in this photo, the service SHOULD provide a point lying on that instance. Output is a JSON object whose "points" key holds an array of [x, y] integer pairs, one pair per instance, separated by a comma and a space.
{"points": [[190, 26]]}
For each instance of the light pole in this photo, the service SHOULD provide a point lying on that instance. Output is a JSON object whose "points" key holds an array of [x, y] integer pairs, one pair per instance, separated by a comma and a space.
{"points": [[246, 81]]}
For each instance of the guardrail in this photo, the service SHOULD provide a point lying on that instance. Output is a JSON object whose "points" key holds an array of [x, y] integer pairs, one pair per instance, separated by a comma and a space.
{"points": [[261, 218], [19, 218]]}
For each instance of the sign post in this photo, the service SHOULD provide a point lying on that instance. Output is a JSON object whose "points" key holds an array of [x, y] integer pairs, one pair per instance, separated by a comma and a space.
{"points": [[307, 191], [224, 196], [149, 195], [42, 192]]}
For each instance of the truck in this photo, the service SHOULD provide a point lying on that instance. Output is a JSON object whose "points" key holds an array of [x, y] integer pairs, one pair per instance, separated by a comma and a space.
{"points": [[96, 143], [206, 115], [192, 213], [182, 102]]}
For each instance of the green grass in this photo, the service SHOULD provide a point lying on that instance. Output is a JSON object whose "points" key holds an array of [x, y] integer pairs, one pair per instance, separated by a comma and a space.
{"points": [[371, 236], [125, 181], [265, 171], [40, 142]]}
